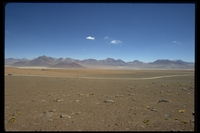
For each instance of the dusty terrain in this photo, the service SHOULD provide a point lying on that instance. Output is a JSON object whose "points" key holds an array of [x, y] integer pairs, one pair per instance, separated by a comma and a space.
{"points": [[98, 100]]}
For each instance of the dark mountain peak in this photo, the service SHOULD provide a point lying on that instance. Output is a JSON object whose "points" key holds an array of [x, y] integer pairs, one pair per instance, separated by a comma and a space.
{"points": [[90, 59], [109, 59], [137, 61], [68, 65], [162, 61]]}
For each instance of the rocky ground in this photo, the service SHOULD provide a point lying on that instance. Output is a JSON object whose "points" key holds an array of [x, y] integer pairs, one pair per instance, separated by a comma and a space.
{"points": [[76, 103]]}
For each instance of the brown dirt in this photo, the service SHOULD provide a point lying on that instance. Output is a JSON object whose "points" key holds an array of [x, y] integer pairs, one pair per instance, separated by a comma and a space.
{"points": [[36, 103]]}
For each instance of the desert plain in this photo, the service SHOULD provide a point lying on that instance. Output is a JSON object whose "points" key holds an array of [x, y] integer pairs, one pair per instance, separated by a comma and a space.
{"points": [[45, 99]]}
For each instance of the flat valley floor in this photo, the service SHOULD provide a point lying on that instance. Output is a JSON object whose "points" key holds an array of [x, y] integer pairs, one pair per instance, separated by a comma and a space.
{"points": [[98, 100]]}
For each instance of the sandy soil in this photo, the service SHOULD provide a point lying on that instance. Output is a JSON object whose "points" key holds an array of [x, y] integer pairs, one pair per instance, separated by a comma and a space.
{"points": [[98, 100]]}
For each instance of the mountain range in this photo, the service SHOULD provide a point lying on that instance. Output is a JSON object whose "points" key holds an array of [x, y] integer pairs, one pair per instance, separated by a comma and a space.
{"points": [[44, 61]]}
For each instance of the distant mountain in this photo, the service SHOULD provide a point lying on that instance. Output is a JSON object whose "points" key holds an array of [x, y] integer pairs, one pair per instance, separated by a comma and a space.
{"points": [[136, 63], [112, 62], [174, 64], [88, 62], [109, 62], [67, 65], [13, 60]]}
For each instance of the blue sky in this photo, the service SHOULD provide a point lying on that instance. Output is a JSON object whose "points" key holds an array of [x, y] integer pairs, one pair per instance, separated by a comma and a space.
{"points": [[126, 31]]}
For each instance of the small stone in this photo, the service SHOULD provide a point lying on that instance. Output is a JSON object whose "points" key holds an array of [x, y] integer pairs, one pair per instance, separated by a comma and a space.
{"points": [[181, 111], [81, 94], [153, 110], [133, 99], [192, 121], [48, 114], [50, 120], [77, 113], [184, 121], [76, 101], [185, 89], [117, 95], [57, 100], [130, 94], [109, 101], [145, 121], [64, 116], [193, 113], [162, 92], [19, 113], [163, 100], [52, 110], [191, 87], [12, 120], [166, 115], [169, 91], [148, 107]]}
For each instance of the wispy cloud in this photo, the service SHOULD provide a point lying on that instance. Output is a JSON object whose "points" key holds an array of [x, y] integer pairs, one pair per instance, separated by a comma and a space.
{"points": [[112, 41], [106, 37], [90, 38], [176, 42], [118, 42]]}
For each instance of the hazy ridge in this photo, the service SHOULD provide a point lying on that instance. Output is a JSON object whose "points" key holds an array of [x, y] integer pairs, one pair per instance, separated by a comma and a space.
{"points": [[44, 61]]}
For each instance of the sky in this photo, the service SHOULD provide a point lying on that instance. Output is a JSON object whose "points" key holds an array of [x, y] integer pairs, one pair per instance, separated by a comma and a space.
{"points": [[127, 31]]}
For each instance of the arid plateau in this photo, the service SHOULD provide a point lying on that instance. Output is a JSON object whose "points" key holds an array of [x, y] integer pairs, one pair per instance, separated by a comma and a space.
{"points": [[46, 99]]}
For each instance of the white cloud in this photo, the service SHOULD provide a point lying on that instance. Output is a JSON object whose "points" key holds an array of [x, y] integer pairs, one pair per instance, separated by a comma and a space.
{"points": [[176, 42], [90, 38], [106, 37], [115, 42]]}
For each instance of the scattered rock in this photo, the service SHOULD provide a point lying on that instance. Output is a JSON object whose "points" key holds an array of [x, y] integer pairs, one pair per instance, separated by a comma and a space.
{"points": [[109, 101], [185, 89], [184, 121], [130, 94], [81, 94], [191, 87], [134, 99], [64, 116], [118, 95], [152, 109], [50, 120], [181, 111], [58, 100], [169, 91], [148, 107], [76, 101], [19, 113], [87, 95], [12, 120], [192, 121], [90, 94], [77, 113], [162, 100], [166, 115], [48, 114], [145, 121], [162, 92], [132, 87], [52, 110], [193, 113]]}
